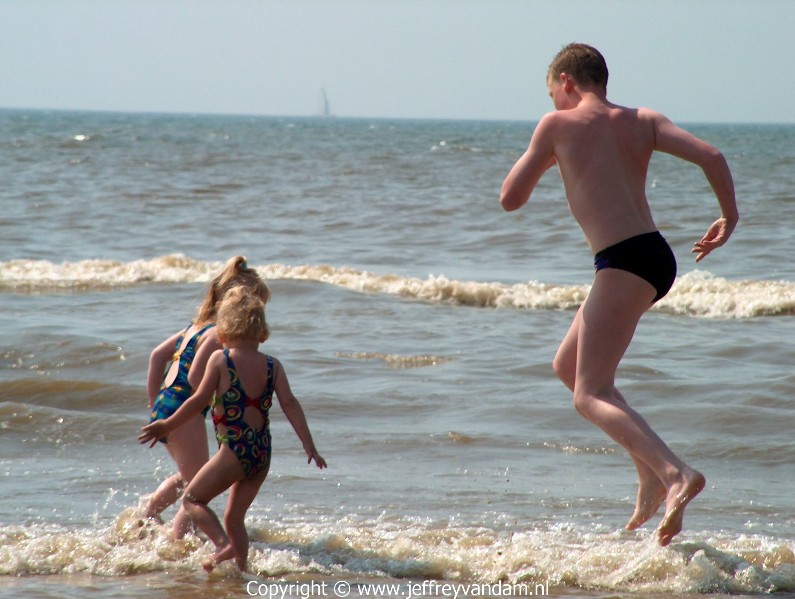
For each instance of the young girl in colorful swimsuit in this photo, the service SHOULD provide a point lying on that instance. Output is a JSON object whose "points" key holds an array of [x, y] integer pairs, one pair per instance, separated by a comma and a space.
{"points": [[240, 382], [183, 357]]}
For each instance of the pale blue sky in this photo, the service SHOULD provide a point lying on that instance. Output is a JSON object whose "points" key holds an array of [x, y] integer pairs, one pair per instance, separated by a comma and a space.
{"points": [[695, 60]]}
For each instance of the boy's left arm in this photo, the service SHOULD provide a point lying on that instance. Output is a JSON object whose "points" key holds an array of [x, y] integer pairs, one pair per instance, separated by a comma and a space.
{"points": [[675, 141]]}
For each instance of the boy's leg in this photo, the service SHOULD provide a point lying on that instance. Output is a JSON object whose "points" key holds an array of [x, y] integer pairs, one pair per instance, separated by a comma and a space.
{"points": [[651, 490], [241, 496], [608, 319], [217, 475]]}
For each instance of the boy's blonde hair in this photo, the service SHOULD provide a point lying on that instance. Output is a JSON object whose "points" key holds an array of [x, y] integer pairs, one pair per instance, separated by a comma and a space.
{"points": [[583, 62], [235, 272], [241, 315]]}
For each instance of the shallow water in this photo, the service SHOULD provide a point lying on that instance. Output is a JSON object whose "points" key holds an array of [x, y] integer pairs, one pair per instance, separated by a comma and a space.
{"points": [[417, 323]]}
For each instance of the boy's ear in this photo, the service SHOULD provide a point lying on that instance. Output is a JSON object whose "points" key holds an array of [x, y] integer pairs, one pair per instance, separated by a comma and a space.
{"points": [[567, 81]]}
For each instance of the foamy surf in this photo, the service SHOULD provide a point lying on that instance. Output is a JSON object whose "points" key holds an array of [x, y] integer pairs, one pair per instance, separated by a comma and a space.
{"points": [[43, 275], [401, 548], [396, 360], [700, 293], [695, 294]]}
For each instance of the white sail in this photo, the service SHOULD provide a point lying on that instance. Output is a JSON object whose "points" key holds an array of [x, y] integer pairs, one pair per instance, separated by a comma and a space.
{"points": [[325, 106]]}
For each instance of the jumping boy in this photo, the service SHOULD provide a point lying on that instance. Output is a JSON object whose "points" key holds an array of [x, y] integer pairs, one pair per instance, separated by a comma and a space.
{"points": [[602, 151]]}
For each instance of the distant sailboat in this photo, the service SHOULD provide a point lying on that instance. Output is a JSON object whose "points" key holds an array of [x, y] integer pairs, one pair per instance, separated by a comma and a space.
{"points": [[325, 106]]}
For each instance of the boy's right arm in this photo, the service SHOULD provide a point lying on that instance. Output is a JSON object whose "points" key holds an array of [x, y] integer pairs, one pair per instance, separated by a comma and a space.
{"points": [[678, 142], [527, 171]]}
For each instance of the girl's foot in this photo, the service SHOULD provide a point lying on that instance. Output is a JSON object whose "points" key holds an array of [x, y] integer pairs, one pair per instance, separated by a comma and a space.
{"points": [[223, 554]]}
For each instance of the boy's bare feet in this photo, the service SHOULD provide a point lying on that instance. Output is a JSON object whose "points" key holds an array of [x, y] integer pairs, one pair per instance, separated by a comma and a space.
{"points": [[679, 495], [651, 495]]}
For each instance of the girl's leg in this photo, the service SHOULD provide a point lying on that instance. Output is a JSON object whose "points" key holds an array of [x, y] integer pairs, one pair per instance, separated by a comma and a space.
{"points": [[188, 447], [217, 475], [166, 494], [241, 497]]}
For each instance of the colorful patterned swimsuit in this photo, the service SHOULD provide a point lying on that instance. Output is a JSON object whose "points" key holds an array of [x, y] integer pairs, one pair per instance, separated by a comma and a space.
{"points": [[251, 446], [171, 397]]}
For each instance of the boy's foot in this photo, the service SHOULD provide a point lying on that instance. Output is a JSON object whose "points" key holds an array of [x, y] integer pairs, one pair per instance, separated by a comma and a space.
{"points": [[223, 554], [650, 497], [679, 495]]}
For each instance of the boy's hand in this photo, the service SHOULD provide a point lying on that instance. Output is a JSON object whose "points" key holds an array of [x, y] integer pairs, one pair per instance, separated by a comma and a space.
{"points": [[717, 234]]}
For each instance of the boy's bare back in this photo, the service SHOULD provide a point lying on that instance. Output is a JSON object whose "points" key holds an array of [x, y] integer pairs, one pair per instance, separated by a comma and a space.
{"points": [[603, 152]]}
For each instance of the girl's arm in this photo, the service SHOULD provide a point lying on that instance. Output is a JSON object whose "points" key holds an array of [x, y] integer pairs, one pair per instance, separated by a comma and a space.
{"points": [[192, 406], [295, 414], [208, 344], [158, 360]]}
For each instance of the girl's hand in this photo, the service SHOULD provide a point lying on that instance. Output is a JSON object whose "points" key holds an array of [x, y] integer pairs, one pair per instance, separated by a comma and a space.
{"points": [[312, 454], [152, 432]]}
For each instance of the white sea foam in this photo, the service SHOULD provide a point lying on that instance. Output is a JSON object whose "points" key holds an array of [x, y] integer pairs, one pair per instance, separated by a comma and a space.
{"points": [[406, 548], [696, 293], [699, 293]]}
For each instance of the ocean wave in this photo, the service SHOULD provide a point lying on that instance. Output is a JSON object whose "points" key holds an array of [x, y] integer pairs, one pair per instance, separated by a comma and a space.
{"points": [[85, 275], [41, 426], [444, 145], [395, 360], [694, 294], [700, 293], [398, 548]]}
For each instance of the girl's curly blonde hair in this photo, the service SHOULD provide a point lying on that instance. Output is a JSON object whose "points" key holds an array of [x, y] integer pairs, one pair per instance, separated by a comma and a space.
{"points": [[241, 315]]}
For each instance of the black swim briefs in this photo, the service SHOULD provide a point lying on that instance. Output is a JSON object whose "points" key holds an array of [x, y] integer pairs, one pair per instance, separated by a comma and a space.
{"points": [[648, 255]]}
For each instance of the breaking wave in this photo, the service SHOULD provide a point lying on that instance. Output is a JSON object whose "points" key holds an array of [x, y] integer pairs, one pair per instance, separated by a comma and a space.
{"points": [[695, 294]]}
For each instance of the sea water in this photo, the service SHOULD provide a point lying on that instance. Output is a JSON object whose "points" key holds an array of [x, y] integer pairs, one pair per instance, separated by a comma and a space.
{"points": [[417, 322]]}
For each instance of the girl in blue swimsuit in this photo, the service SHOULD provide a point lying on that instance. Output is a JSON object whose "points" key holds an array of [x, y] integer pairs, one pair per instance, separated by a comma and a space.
{"points": [[176, 367], [243, 380]]}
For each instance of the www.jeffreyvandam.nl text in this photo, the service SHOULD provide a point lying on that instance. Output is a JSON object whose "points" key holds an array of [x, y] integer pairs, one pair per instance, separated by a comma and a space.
{"points": [[342, 589]]}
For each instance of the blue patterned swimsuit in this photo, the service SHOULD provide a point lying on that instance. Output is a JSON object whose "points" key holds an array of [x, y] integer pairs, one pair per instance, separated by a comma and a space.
{"points": [[251, 446], [171, 397]]}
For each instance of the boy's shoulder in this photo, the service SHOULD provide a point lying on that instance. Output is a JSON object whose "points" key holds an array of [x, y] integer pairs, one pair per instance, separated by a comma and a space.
{"points": [[567, 122], [649, 114], [550, 124], [560, 124]]}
